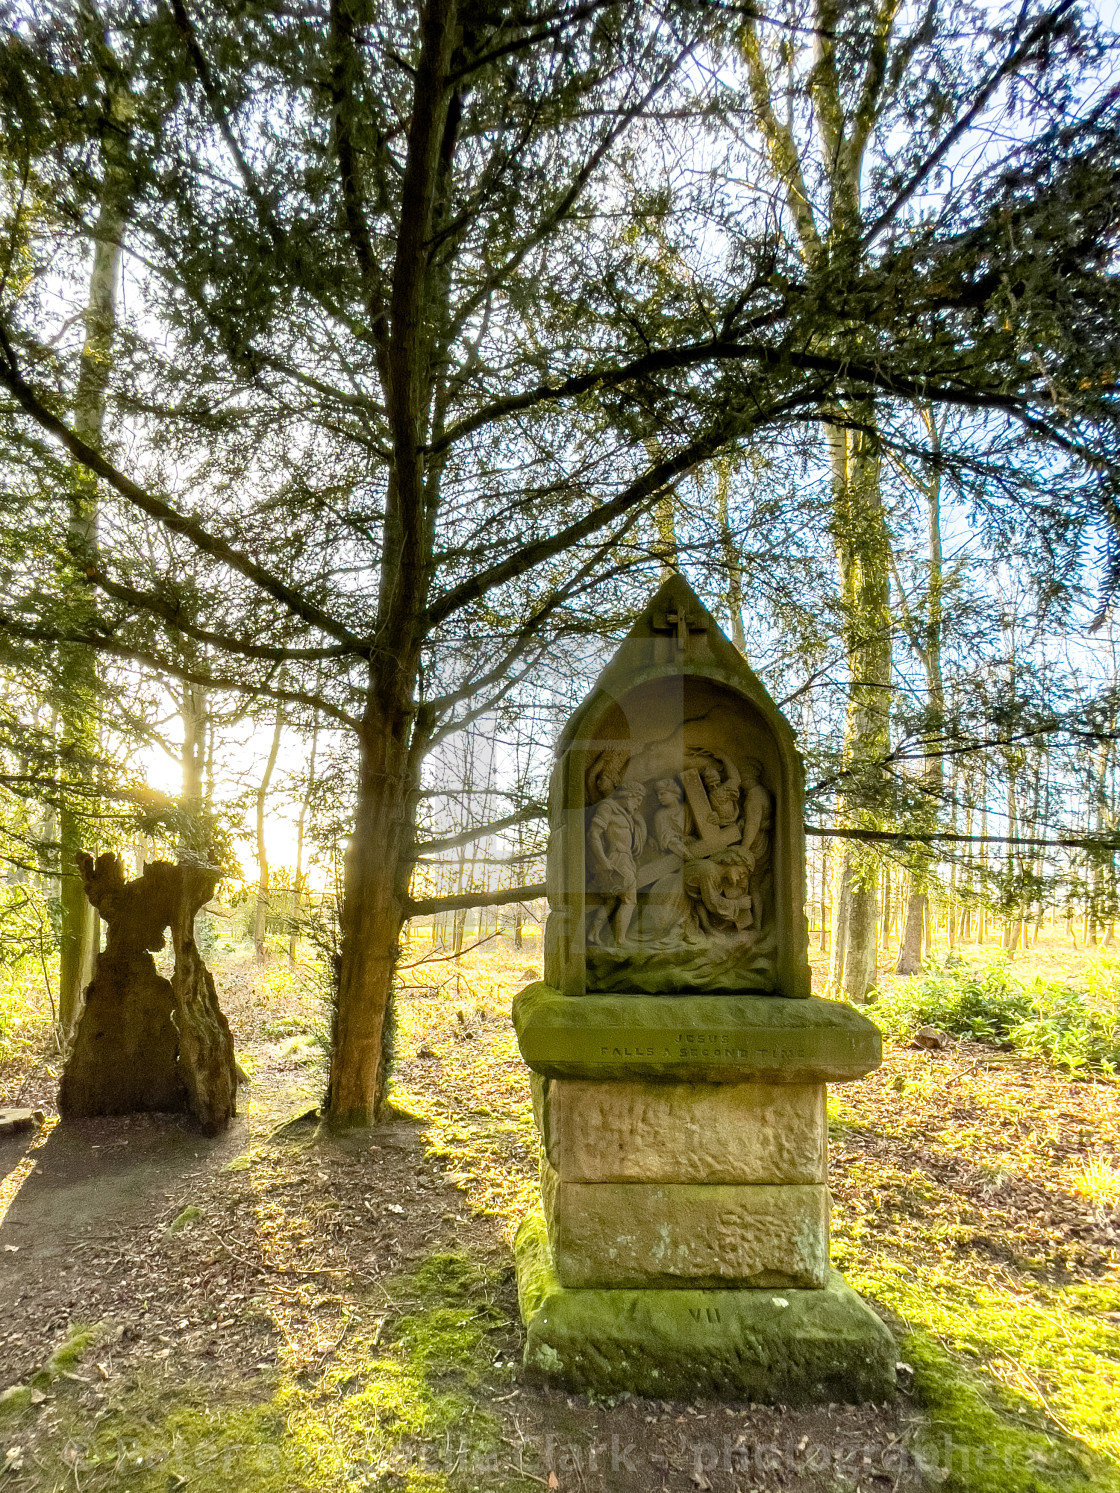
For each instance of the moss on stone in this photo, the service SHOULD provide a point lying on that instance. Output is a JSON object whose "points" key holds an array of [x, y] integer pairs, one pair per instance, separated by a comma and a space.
{"points": [[780, 1347], [693, 1038]]}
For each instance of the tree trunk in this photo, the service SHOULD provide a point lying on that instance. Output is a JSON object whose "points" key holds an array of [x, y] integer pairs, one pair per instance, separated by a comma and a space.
{"points": [[926, 640], [858, 519], [885, 916], [206, 1060], [863, 552], [144, 1042], [260, 912], [305, 804], [910, 951], [855, 920], [826, 909], [665, 521], [730, 553], [194, 830], [378, 867], [79, 683]]}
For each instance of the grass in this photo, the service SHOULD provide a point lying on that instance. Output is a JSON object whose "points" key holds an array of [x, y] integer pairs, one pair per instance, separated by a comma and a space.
{"points": [[960, 1204], [974, 1444], [1098, 1179], [26, 1017], [1015, 1366], [1076, 1026], [1043, 1368]]}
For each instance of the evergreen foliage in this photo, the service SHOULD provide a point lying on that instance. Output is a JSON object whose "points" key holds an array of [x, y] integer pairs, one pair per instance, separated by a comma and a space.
{"points": [[442, 329]]}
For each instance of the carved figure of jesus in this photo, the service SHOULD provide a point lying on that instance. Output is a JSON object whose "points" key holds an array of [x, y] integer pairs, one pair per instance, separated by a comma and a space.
{"points": [[616, 837], [719, 889]]}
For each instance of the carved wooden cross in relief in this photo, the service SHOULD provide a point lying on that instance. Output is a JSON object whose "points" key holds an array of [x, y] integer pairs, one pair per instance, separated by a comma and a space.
{"points": [[680, 622]]}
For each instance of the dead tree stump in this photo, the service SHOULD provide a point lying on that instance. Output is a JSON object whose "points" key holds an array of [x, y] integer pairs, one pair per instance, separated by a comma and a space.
{"points": [[206, 1060], [143, 1042]]}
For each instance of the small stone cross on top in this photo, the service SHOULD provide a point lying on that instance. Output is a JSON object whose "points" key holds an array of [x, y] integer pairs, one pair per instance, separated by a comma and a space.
{"points": [[682, 623]]}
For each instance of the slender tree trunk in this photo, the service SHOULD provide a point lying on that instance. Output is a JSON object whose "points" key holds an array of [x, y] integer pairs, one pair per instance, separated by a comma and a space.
{"points": [[260, 912], [858, 518], [305, 804], [864, 554], [459, 918], [730, 553], [394, 733], [982, 915], [378, 869], [79, 692], [910, 950], [194, 708], [825, 909], [933, 781]]}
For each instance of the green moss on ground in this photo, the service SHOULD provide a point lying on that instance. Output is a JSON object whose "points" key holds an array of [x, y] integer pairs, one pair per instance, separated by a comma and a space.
{"points": [[184, 1219], [978, 1441], [398, 1404]]}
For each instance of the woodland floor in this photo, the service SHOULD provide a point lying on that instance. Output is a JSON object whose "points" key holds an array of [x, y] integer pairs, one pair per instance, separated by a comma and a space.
{"points": [[274, 1311]]}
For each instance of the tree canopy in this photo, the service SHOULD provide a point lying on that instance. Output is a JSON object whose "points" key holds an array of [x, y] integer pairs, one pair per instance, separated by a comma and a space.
{"points": [[427, 312]]}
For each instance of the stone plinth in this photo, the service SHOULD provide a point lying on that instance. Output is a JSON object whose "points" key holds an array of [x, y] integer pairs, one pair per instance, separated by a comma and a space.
{"points": [[685, 1234], [594, 1130], [694, 1038], [784, 1347], [683, 1246], [679, 1060]]}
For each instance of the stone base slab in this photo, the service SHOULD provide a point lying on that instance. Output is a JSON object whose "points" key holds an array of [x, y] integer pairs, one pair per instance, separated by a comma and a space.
{"points": [[789, 1347], [682, 1132], [616, 1234], [694, 1038]]}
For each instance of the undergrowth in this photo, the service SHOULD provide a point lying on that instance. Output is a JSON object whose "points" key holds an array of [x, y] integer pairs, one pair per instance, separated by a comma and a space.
{"points": [[26, 1016], [1075, 1026]]}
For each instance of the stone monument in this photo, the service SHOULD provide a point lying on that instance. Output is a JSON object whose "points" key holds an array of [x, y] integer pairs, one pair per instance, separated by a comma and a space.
{"points": [[679, 1061]]}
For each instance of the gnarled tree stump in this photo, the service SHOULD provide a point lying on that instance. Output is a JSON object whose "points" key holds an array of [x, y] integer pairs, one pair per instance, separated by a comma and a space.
{"points": [[206, 1061], [143, 1042]]}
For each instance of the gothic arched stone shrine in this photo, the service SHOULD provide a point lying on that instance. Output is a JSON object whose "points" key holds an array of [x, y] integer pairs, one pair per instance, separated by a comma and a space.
{"points": [[679, 1060], [677, 857]]}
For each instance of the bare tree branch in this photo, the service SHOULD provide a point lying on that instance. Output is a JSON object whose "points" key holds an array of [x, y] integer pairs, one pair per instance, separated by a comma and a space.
{"points": [[418, 908]]}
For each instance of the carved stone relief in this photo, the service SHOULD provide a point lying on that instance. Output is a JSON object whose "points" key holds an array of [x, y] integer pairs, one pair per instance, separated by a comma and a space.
{"points": [[678, 845]]}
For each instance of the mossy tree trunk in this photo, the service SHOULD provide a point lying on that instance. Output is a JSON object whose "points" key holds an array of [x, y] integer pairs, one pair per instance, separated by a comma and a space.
{"points": [[829, 234], [863, 549]]}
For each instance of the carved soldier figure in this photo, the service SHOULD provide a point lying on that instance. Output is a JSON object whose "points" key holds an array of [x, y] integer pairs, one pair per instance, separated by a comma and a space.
{"points": [[722, 788], [616, 837]]}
